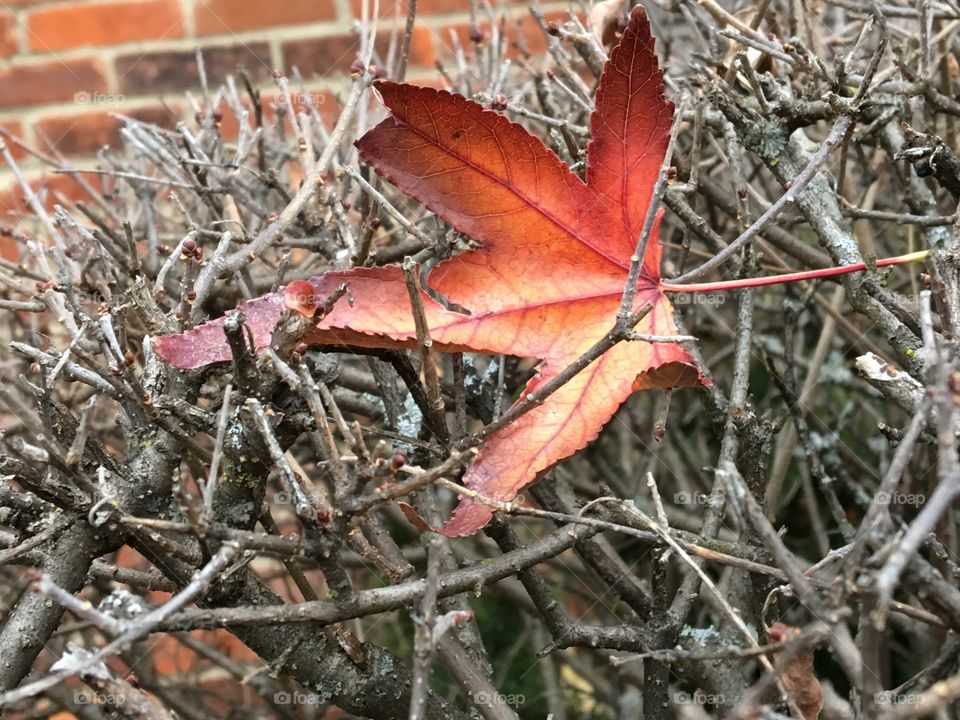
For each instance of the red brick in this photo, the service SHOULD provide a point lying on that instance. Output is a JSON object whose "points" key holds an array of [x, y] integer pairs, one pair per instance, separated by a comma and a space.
{"points": [[325, 102], [50, 81], [524, 35], [67, 26], [9, 249], [85, 133], [230, 123], [14, 128], [333, 54], [171, 658], [328, 107], [434, 80], [152, 73], [225, 16], [8, 34], [13, 202], [398, 8]]}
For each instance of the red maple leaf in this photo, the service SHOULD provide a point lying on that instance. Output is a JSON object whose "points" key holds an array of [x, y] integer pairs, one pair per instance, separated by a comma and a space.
{"points": [[547, 279]]}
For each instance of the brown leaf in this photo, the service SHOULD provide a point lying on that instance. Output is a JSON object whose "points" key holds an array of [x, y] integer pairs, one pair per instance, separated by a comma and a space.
{"points": [[797, 674]]}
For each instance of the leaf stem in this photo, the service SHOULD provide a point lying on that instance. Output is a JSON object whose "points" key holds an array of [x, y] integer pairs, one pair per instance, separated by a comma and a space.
{"points": [[837, 133], [724, 285]]}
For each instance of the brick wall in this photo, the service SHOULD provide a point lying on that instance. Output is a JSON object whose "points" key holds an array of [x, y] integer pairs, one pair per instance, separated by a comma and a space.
{"points": [[66, 66]]}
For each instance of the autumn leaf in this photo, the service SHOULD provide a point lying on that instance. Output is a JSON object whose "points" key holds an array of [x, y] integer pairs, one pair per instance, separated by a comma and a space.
{"points": [[547, 279]]}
